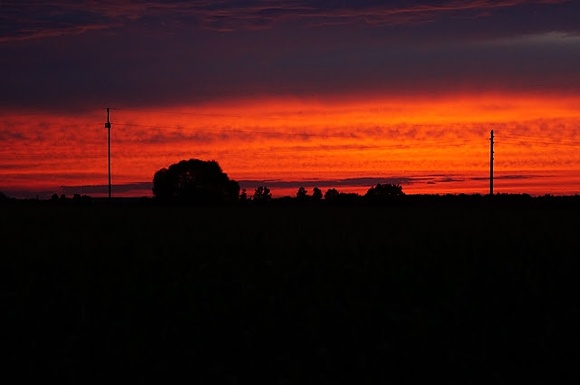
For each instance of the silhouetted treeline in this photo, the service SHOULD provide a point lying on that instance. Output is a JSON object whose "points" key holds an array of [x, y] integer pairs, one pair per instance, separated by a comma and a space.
{"points": [[199, 182], [196, 181], [426, 200], [263, 197]]}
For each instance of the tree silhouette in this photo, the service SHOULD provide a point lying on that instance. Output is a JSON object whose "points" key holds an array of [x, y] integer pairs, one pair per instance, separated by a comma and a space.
{"points": [[194, 181], [302, 194], [243, 196], [385, 191], [331, 194], [316, 194], [262, 194]]}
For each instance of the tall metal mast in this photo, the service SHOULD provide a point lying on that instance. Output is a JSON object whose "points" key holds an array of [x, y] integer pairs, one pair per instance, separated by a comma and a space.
{"points": [[491, 163], [108, 127]]}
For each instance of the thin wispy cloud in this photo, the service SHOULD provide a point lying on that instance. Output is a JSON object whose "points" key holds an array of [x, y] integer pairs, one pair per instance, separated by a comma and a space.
{"points": [[38, 19]]}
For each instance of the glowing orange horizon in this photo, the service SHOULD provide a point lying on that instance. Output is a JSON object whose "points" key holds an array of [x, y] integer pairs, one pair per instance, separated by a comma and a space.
{"points": [[294, 139]]}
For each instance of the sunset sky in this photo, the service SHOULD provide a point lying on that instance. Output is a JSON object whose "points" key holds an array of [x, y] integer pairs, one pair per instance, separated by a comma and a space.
{"points": [[333, 94]]}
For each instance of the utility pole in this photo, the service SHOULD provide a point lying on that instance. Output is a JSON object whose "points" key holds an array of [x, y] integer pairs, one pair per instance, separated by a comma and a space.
{"points": [[491, 163], [108, 127]]}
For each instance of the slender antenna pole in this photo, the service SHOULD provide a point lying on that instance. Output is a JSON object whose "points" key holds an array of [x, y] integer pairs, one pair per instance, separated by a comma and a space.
{"points": [[108, 127], [491, 163]]}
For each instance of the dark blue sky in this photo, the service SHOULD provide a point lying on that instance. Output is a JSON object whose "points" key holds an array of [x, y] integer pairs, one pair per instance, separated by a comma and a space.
{"points": [[77, 54]]}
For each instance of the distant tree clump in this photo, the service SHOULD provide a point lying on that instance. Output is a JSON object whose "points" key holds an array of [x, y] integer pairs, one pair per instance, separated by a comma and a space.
{"points": [[3, 197], [302, 195], [333, 196], [382, 192], [62, 199], [262, 194], [194, 181], [78, 198]]}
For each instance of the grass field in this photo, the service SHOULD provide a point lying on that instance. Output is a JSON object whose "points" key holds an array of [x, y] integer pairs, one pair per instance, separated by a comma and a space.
{"points": [[290, 295]]}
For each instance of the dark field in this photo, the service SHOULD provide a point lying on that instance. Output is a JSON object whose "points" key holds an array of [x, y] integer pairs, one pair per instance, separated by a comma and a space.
{"points": [[290, 295]]}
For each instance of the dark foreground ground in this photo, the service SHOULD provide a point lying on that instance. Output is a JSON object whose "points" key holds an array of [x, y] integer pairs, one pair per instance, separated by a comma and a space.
{"points": [[290, 295]]}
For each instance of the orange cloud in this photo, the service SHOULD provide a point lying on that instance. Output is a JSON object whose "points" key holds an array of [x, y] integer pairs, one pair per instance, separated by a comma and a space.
{"points": [[284, 139]]}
